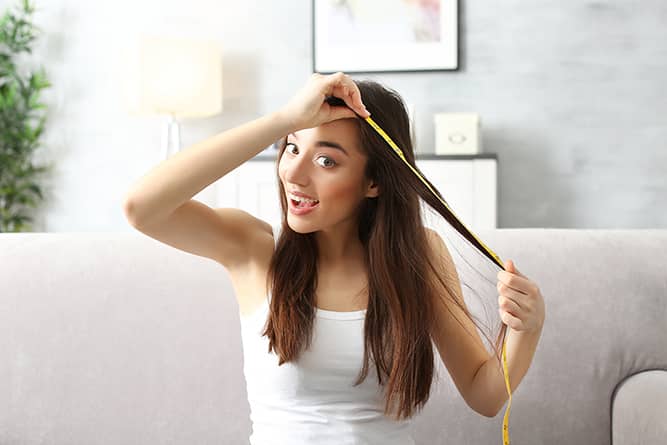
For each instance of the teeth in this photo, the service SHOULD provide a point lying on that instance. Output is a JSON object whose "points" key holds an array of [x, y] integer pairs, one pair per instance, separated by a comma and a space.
{"points": [[301, 199]]}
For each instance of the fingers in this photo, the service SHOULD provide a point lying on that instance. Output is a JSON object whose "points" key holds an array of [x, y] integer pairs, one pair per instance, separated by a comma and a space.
{"points": [[355, 96], [341, 113], [343, 87], [514, 281]]}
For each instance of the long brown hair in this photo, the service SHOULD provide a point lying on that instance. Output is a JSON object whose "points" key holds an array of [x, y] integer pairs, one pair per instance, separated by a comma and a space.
{"points": [[400, 316]]}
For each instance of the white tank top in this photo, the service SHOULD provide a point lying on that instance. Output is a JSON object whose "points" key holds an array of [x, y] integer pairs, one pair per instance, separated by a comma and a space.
{"points": [[313, 400]]}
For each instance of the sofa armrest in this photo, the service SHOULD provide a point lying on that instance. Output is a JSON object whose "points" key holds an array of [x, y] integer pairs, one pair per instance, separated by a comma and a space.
{"points": [[638, 409]]}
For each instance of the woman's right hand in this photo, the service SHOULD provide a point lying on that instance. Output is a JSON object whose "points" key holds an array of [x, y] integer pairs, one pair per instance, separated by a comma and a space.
{"points": [[308, 108]]}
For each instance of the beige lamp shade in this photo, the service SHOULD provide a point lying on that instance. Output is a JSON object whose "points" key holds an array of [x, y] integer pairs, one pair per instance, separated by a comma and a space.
{"points": [[176, 76]]}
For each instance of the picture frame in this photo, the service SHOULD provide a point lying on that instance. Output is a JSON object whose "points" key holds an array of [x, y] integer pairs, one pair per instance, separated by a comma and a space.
{"points": [[380, 36]]}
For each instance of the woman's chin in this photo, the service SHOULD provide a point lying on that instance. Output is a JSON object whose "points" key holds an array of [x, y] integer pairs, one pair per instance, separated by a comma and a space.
{"points": [[298, 225]]}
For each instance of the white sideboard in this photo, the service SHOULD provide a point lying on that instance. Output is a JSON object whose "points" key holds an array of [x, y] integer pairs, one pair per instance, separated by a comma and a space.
{"points": [[468, 184]]}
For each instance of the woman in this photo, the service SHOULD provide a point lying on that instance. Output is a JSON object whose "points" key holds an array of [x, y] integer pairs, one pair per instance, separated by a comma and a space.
{"points": [[341, 306]]}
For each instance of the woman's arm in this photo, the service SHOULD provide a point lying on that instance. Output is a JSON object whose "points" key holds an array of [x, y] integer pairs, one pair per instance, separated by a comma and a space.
{"points": [[488, 385], [177, 179], [521, 307]]}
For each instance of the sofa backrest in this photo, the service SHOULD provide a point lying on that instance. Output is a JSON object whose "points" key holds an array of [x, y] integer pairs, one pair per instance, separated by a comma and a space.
{"points": [[118, 338]]}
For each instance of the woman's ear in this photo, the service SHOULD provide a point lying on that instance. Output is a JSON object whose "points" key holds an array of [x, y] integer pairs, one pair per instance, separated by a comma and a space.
{"points": [[373, 190]]}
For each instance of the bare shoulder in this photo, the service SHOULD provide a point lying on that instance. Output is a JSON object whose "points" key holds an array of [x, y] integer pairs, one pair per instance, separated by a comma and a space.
{"points": [[249, 278], [435, 242], [234, 238], [444, 262]]}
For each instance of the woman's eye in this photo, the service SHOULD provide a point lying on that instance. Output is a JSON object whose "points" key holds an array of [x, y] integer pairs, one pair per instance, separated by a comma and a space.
{"points": [[328, 163], [331, 161], [288, 144]]}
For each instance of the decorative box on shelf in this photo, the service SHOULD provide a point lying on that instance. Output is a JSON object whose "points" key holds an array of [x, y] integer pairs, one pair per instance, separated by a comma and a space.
{"points": [[467, 182], [457, 134]]}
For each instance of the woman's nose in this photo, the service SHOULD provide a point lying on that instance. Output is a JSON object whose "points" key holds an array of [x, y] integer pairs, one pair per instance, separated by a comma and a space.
{"points": [[297, 171]]}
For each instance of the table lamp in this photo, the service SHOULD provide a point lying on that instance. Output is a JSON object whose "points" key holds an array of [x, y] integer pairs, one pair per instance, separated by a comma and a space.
{"points": [[178, 78]]}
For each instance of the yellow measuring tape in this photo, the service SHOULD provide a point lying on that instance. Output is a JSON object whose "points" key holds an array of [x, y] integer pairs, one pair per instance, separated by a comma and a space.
{"points": [[506, 439]]}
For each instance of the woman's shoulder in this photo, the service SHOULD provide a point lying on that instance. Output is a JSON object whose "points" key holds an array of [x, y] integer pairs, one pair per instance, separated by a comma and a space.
{"points": [[250, 282]]}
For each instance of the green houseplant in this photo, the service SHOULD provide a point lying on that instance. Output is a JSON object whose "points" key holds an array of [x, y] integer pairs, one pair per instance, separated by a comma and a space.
{"points": [[22, 119]]}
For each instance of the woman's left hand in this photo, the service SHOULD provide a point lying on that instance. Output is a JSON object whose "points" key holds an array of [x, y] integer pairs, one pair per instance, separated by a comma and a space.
{"points": [[520, 300]]}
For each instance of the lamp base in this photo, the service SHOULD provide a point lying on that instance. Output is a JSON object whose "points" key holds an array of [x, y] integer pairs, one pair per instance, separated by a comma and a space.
{"points": [[171, 137]]}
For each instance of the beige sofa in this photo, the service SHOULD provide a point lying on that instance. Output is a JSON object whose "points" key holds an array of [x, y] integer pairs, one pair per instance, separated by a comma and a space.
{"points": [[115, 338]]}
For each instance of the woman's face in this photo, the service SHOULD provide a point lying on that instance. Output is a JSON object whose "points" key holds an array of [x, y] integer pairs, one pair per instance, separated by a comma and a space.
{"points": [[325, 163]]}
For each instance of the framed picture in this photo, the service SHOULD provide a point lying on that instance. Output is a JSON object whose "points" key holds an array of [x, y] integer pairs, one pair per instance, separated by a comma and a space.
{"points": [[369, 36]]}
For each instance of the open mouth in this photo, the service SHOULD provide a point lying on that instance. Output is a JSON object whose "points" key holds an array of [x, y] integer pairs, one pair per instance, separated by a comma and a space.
{"points": [[303, 204], [299, 202]]}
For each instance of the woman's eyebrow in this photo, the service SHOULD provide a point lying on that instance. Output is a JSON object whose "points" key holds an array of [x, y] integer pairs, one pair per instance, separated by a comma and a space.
{"points": [[326, 144]]}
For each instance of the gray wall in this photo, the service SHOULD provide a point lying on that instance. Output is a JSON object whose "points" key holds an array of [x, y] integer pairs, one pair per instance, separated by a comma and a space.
{"points": [[571, 94]]}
